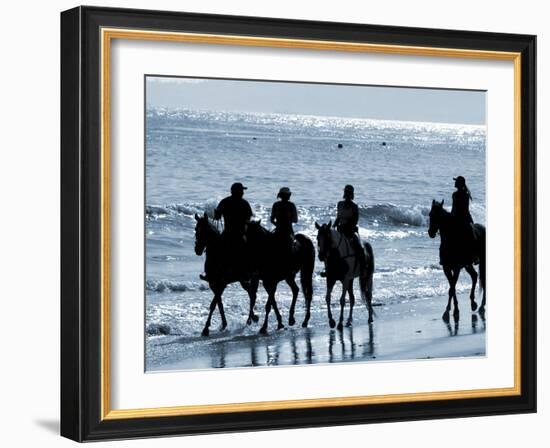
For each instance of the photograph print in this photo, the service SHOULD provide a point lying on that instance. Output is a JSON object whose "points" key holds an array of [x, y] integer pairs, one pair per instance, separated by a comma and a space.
{"points": [[292, 223]]}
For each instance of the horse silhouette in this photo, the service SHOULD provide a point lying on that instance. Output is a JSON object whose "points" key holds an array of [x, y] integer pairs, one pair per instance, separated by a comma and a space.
{"points": [[342, 265], [277, 259], [220, 274], [454, 255]]}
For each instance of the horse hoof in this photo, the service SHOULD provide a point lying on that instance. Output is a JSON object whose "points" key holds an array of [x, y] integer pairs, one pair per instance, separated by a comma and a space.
{"points": [[280, 326], [474, 305], [291, 321], [249, 321], [304, 324], [348, 323], [445, 317], [255, 318], [332, 323], [340, 326], [263, 330], [224, 326], [205, 332]]}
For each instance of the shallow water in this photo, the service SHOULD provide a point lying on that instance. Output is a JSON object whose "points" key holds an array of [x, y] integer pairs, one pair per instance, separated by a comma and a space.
{"points": [[193, 157]]}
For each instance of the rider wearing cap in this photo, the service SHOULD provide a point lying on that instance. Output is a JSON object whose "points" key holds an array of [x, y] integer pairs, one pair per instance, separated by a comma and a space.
{"points": [[347, 220], [283, 213], [235, 210], [236, 213]]}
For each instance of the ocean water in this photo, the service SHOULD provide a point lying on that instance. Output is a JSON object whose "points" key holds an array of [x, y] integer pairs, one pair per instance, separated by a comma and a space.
{"points": [[193, 157]]}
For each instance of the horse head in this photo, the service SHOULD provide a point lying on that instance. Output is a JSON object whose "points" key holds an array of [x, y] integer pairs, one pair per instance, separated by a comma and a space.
{"points": [[324, 239], [436, 214], [201, 233], [255, 231]]}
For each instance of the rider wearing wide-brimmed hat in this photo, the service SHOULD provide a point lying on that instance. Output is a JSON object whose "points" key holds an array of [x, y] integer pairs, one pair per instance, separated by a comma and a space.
{"points": [[284, 213]]}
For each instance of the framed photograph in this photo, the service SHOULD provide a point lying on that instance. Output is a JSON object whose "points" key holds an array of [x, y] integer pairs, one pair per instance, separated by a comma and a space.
{"points": [[275, 224]]}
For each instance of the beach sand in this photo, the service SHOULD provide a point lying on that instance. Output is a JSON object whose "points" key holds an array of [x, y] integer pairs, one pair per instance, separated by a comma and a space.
{"points": [[404, 331]]}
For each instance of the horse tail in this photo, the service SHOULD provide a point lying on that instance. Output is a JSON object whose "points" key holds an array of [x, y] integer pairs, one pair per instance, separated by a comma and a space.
{"points": [[307, 265], [366, 282], [370, 258], [482, 253]]}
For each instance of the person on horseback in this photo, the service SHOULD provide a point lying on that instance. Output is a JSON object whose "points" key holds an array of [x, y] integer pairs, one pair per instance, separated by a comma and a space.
{"points": [[347, 219], [236, 213], [283, 215], [461, 212]]}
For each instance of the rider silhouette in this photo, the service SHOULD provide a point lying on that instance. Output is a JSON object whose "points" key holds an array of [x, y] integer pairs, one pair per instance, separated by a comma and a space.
{"points": [[236, 213], [347, 219], [283, 213], [461, 212]]}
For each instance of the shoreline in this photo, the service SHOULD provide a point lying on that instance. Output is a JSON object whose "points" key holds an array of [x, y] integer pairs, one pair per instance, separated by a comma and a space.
{"points": [[408, 331]]}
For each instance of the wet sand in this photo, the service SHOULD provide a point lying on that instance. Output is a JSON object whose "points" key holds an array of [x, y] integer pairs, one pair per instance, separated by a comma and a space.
{"points": [[405, 331]]}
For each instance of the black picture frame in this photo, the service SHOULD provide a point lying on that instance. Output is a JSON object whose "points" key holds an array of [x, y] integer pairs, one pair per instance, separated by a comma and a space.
{"points": [[81, 382]]}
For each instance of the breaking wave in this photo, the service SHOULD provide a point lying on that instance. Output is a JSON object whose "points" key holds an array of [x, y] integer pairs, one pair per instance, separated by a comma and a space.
{"points": [[384, 213], [173, 286]]}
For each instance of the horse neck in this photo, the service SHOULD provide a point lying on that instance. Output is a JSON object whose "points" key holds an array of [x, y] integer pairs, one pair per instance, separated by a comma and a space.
{"points": [[444, 222], [338, 242], [335, 238], [212, 235], [262, 234]]}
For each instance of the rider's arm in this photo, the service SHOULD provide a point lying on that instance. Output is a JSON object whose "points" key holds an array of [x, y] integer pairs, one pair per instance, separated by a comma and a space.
{"points": [[272, 217], [338, 211], [219, 211], [294, 214], [355, 216], [248, 212]]}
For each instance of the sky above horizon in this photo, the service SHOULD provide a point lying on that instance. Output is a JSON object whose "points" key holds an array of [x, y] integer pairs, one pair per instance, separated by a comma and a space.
{"points": [[374, 102]]}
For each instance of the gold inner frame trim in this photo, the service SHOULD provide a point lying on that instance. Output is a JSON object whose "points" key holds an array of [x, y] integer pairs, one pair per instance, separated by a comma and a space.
{"points": [[107, 35]]}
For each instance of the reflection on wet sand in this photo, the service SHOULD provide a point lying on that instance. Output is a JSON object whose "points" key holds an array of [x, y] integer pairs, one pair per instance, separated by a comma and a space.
{"points": [[300, 346], [475, 327]]}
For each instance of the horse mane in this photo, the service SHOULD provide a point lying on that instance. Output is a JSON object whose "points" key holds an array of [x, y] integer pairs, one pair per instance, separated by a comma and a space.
{"points": [[213, 227], [260, 227]]}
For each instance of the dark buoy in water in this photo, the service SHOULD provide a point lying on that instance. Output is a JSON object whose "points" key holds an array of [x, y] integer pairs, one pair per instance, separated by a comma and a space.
{"points": [[383, 143], [340, 145], [254, 138]]}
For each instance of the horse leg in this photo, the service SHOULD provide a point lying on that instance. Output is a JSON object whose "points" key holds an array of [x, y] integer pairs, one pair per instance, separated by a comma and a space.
{"points": [[482, 284], [252, 289], [263, 330], [365, 286], [470, 270], [330, 285], [222, 314], [213, 303], [308, 313], [351, 303], [295, 290], [456, 313], [342, 304], [369, 298], [220, 307], [280, 324], [271, 288], [449, 274]]}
